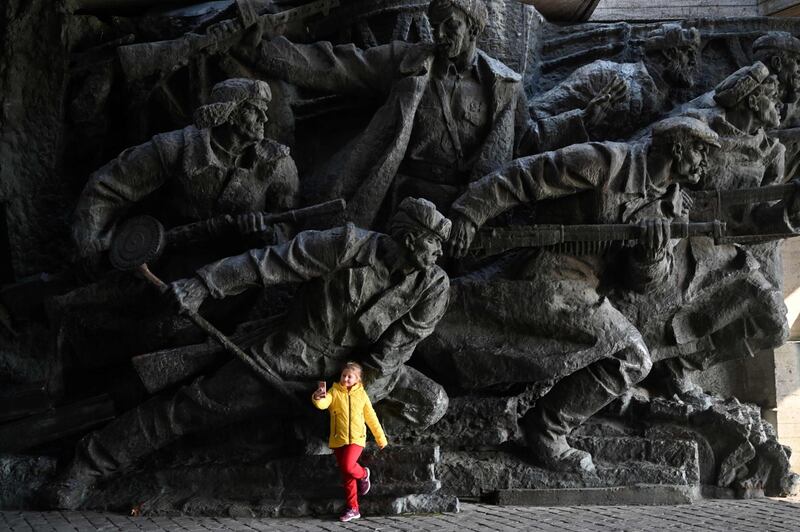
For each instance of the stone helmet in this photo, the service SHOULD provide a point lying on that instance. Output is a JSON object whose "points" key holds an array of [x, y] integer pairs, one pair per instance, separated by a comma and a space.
{"points": [[742, 83], [677, 127], [415, 215], [226, 96], [776, 41]]}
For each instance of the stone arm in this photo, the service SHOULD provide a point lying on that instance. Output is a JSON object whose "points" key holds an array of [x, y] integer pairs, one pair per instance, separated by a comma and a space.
{"points": [[308, 255], [111, 191], [397, 344], [546, 134], [283, 186], [545, 176], [323, 66]]}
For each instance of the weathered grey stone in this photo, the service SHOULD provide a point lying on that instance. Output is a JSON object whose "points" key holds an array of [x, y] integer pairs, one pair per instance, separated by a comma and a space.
{"points": [[620, 462], [298, 485], [611, 496], [21, 478], [537, 375]]}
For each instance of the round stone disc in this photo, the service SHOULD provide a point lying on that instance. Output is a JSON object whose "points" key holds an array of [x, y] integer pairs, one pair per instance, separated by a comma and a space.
{"points": [[138, 241]]}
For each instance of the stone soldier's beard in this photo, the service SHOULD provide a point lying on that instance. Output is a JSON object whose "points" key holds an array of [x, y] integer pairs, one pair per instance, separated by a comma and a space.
{"points": [[791, 88], [681, 74], [678, 68]]}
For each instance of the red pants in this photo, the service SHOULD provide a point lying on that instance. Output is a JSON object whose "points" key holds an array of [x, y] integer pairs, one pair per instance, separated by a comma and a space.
{"points": [[347, 459]]}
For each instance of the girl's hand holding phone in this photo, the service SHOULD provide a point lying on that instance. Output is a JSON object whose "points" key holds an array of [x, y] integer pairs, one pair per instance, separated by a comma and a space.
{"points": [[321, 391]]}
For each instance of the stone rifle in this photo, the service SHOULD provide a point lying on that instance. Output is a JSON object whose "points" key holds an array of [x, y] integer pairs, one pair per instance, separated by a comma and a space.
{"points": [[26, 296], [578, 239], [595, 238], [161, 58], [713, 204]]}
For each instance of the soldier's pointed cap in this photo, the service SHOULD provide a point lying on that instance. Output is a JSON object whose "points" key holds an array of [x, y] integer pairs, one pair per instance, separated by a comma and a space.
{"points": [[686, 125], [740, 84], [782, 41], [419, 213]]}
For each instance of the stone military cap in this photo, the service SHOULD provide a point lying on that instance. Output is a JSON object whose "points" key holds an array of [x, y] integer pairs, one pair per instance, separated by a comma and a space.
{"points": [[226, 96], [414, 214], [778, 41], [686, 126], [474, 9], [740, 84], [671, 36]]}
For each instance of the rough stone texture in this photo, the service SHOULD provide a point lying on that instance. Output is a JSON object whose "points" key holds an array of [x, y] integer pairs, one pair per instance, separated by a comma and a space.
{"points": [[404, 481], [476, 474], [33, 76], [22, 477], [80, 96], [624, 495]]}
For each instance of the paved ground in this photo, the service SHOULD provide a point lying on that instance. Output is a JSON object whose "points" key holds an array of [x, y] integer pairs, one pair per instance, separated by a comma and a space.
{"points": [[725, 516]]}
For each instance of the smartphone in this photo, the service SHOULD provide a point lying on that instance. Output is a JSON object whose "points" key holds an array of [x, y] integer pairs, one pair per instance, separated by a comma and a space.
{"points": [[321, 388]]}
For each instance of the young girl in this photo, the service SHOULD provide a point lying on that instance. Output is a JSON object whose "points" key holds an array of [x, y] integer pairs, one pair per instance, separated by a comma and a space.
{"points": [[350, 408]]}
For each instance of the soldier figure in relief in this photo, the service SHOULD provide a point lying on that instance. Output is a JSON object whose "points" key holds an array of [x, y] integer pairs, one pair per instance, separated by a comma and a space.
{"points": [[450, 113], [366, 296]]}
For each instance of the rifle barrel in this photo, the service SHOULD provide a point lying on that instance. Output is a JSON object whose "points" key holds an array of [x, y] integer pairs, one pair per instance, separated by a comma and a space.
{"points": [[494, 240], [744, 196], [199, 231], [145, 59]]}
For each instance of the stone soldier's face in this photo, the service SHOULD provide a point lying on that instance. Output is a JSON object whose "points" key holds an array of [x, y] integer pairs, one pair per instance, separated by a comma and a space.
{"points": [[690, 160], [766, 105], [451, 31], [248, 120], [424, 250], [787, 68], [680, 65]]}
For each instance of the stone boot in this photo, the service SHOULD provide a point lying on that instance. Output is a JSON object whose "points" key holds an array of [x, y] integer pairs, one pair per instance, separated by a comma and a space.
{"points": [[564, 408], [72, 487]]}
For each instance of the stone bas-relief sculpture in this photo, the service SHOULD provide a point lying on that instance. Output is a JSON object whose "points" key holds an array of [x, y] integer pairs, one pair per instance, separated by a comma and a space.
{"points": [[613, 235], [374, 295]]}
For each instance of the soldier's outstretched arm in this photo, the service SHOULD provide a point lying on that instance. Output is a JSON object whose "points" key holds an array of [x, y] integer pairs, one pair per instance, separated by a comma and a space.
{"points": [[537, 135], [308, 255], [333, 68], [548, 175]]}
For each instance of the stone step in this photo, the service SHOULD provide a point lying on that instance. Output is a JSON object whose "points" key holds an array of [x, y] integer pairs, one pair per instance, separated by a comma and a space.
{"points": [[619, 450], [298, 507], [619, 462], [641, 494], [395, 473]]}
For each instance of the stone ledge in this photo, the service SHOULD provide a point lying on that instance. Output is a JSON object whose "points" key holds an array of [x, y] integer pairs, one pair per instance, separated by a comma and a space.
{"points": [[642, 494]]}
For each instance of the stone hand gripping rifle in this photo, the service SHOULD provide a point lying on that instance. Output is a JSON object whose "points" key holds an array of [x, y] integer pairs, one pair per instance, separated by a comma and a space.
{"points": [[161, 58], [589, 239]]}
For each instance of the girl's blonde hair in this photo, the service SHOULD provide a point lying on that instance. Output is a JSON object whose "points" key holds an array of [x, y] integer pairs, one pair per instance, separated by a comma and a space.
{"points": [[354, 366]]}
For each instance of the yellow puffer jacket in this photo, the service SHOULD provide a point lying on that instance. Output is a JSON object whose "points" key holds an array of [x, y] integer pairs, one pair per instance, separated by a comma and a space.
{"points": [[349, 411]]}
